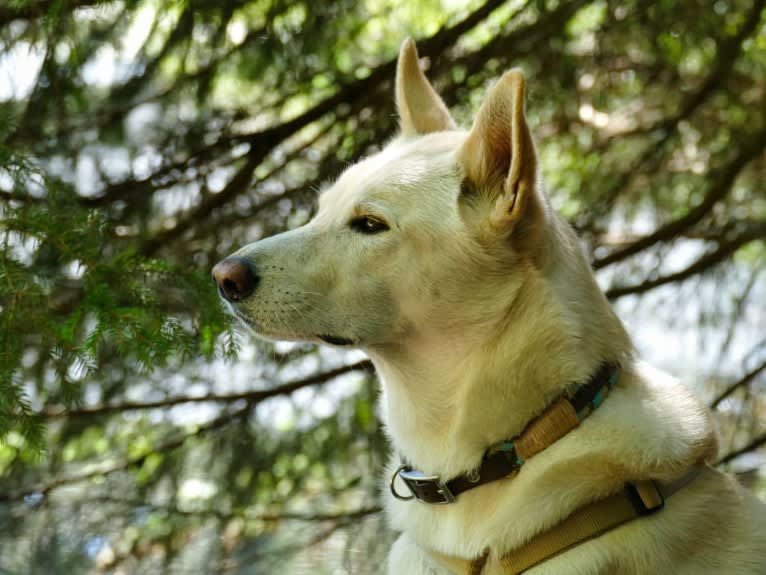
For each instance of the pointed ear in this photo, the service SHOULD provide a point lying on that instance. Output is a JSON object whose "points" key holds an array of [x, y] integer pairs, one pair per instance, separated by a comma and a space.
{"points": [[499, 156], [421, 110]]}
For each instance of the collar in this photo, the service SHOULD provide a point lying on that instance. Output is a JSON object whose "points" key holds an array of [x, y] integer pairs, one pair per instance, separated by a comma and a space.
{"points": [[505, 458]]}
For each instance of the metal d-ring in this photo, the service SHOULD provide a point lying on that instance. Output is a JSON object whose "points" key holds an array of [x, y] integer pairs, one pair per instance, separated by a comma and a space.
{"points": [[393, 488]]}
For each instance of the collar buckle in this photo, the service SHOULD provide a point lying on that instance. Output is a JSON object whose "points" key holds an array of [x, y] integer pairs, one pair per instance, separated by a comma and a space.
{"points": [[426, 488], [645, 496]]}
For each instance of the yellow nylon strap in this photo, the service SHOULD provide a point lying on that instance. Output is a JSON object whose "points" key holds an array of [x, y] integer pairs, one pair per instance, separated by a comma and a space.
{"points": [[460, 565], [584, 524], [553, 424]]}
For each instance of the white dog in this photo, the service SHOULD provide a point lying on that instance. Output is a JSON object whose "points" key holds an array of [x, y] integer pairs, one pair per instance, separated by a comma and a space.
{"points": [[511, 393]]}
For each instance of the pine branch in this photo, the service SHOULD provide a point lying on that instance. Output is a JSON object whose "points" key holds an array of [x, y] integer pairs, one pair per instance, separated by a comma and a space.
{"points": [[226, 219], [252, 397], [40, 8], [727, 54], [103, 470], [722, 184], [754, 444], [264, 141], [312, 517], [754, 232], [21, 198], [315, 517], [741, 382]]}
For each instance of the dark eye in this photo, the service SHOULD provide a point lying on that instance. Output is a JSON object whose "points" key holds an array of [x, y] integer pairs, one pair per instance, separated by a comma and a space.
{"points": [[368, 225]]}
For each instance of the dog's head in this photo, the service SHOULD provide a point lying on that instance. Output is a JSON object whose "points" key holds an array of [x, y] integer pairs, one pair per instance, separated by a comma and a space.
{"points": [[414, 241]]}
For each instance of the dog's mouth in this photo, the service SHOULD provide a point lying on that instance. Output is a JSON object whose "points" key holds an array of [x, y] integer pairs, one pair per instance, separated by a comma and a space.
{"points": [[331, 339], [335, 340], [252, 325]]}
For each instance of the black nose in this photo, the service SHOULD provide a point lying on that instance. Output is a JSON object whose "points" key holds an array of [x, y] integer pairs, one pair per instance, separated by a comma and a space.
{"points": [[236, 278]]}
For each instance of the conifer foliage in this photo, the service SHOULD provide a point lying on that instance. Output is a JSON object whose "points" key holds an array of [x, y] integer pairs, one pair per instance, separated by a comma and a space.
{"points": [[143, 140]]}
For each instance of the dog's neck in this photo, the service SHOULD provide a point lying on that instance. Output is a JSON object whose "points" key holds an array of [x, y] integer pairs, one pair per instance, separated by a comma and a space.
{"points": [[448, 395]]}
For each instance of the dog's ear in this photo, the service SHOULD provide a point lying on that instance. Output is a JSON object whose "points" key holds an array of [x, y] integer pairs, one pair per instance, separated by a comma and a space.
{"points": [[421, 110], [499, 156]]}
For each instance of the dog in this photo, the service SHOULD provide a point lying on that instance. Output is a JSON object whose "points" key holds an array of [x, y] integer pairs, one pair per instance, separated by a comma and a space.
{"points": [[441, 257]]}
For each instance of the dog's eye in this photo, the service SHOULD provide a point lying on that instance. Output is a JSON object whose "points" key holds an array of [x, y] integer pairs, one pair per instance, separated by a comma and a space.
{"points": [[368, 225]]}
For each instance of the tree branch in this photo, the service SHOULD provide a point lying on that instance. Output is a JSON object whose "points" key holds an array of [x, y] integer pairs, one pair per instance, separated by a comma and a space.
{"points": [[340, 516], [757, 231], [756, 442], [38, 9], [720, 187], [264, 141], [743, 381], [251, 397], [122, 465], [727, 54], [17, 197], [226, 515]]}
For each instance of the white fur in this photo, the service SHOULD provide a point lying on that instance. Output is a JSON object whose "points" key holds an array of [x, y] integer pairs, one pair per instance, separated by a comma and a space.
{"points": [[478, 308]]}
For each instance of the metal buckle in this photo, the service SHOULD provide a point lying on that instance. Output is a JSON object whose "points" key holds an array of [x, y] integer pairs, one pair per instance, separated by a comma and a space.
{"points": [[425, 488], [645, 496], [392, 485]]}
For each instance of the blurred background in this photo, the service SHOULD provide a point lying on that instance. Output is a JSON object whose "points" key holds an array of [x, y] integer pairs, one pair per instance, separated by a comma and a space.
{"points": [[143, 140]]}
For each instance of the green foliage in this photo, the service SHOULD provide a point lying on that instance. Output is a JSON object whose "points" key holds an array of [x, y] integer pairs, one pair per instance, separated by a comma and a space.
{"points": [[143, 140], [76, 298]]}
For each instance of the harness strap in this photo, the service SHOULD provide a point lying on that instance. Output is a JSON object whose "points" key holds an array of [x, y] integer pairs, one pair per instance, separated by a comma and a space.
{"points": [[460, 565], [584, 524], [635, 500]]}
